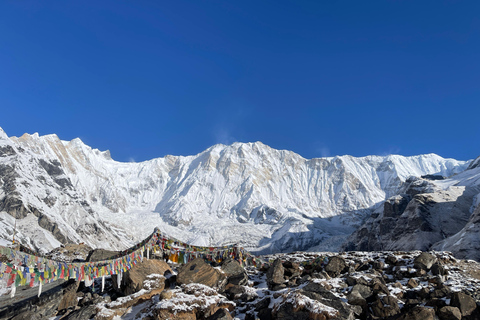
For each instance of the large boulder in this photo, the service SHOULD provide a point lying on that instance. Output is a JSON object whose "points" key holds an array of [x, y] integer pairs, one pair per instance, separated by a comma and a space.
{"points": [[101, 254], [449, 313], [83, 313], [419, 313], [295, 305], [464, 302], [335, 266], [133, 279], [316, 291], [385, 306], [69, 299], [221, 314], [235, 273], [359, 294], [192, 301], [424, 261], [275, 275], [152, 286], [29, 315], [198, 271]]}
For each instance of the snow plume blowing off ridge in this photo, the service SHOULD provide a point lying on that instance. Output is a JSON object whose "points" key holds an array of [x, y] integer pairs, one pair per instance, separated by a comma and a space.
{"points": [[264, 199]]}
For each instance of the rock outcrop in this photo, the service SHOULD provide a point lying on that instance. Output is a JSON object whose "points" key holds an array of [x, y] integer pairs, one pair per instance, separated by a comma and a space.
{"points": [[198, 271], [422, 216], [133, 280]]}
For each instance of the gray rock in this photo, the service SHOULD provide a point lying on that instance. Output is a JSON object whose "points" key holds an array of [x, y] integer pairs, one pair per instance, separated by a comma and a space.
{"points": [[412, 283], [132, 280], [378, 265], [262, 304], [198, 271], [424, 261], [235, 273], [101, 254], [29, 315], [335, 266], [236, 292], [275, 274], [465, 303], [69, 299], [359, 294], [318, 292], [265, 314], [84, 313], [449, 313], [438, 269], [220, 314], [419, 313], [384, 307]]}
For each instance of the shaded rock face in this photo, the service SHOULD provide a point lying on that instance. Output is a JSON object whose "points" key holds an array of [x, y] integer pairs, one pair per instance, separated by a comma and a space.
{"points": [[359, 294], [198, 271], [221, 314], [419, 313], [133, 280], [87, 312], [465, 303], [335, 266], [424, 261], [466, 243], [275, 275], [386, 306], [449, 313], [235, 273], [69, 299], [418, 218], [101, 254]]}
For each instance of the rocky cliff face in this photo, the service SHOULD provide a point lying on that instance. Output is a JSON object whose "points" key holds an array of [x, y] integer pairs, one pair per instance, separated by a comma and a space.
{"points": [[265, 199], [443, 215], [466, 242]]}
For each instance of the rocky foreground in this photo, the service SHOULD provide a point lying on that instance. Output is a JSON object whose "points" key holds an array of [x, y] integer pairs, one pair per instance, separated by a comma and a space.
{"points": [[352, 285]]}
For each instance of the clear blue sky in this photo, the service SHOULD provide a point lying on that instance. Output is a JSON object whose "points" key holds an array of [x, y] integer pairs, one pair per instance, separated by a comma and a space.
{"points": [[149, 78]]}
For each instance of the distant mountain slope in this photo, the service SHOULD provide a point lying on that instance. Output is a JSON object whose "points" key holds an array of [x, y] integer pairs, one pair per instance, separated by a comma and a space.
{"points": [[265, 199]]}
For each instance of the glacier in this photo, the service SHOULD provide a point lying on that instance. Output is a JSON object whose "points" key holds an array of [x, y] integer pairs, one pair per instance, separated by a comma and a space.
{"points": [[263, 199]]}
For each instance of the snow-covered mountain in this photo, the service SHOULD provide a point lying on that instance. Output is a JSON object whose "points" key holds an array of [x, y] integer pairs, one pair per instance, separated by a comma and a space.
{"points": [[265, 199]]}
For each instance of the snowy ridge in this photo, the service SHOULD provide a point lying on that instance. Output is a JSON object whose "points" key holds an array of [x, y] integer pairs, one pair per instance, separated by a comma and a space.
{"points": [[265, 199]]}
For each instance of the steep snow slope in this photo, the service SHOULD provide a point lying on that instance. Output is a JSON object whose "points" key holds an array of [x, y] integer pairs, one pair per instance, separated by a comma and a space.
{"points": [[265, 199]]}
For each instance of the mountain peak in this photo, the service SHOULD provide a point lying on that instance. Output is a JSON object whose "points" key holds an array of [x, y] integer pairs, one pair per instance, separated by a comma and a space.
{"points": [[3, 135]]}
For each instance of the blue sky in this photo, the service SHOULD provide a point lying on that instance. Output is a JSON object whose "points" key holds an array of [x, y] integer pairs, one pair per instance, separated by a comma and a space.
{"points": [[149, 78]]}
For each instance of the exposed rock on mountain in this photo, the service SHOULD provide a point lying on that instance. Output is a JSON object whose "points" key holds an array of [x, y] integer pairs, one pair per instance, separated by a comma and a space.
{"points": [[466, 243], [427, 214]]}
